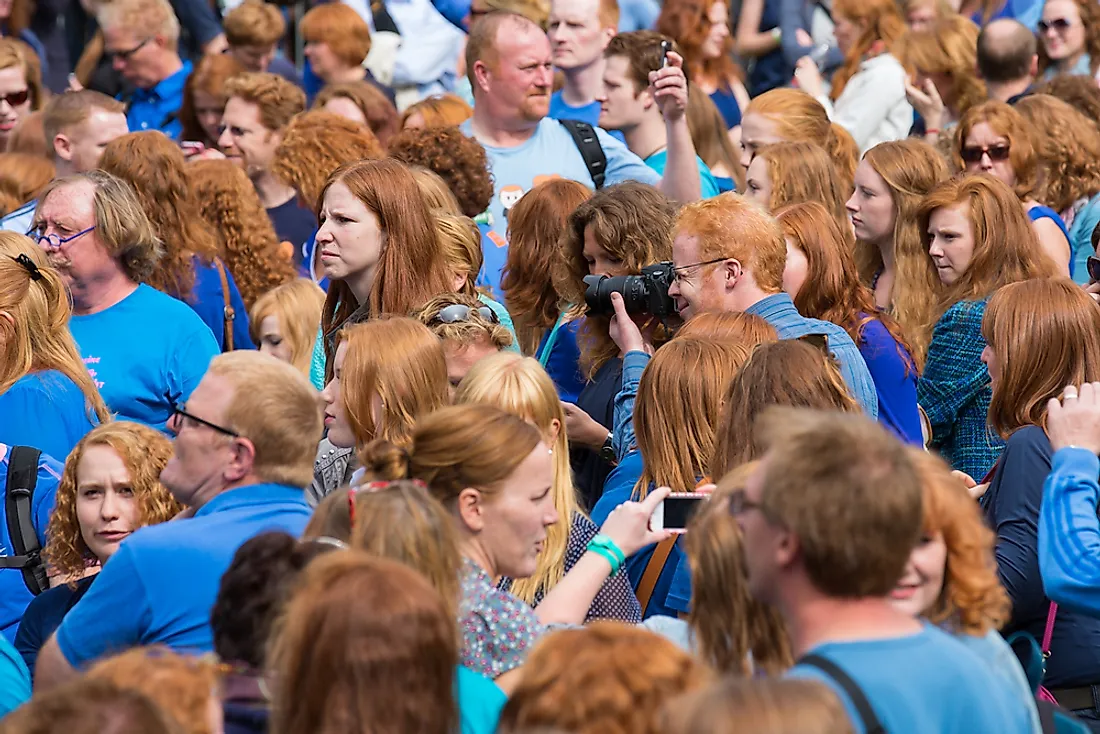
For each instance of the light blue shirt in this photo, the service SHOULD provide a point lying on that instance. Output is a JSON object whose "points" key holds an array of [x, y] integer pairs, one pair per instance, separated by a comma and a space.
{"points": [[159, 586], [15, 679], [145, 353], [779, 311], [480, 701], [1069, 531], [707, 182], [549, 153], [158, 108], [45, 410], [20, 220], [590, 113]]}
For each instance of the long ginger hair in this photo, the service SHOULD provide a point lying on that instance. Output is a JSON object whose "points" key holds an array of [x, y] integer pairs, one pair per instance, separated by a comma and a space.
{"points": [[882, 24]]}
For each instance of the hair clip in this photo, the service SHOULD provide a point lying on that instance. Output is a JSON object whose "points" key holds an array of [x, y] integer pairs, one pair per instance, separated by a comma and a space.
{"points": [[29, 266]]}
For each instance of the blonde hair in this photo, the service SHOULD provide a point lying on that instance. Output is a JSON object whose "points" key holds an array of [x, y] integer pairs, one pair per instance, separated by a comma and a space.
{"points": [[145, 18], [949, 47], [282, 420], [39, 339], [399, 361], [297, 307], [520, 386], [801, 172], [460, 242], [254, 23], [468, 331]]}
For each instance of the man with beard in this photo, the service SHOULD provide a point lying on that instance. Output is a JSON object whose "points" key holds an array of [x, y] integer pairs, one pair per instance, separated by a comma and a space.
{"points": [[145, 350], [508, 61]]}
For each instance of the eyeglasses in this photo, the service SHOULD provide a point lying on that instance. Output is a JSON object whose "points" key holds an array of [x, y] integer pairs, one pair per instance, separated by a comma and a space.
{"points": [[678, 272], [125, 55], [740, 504], [459, 312], [54, 241], [974, 153], [1061, 25], [14, 99], [178, 413]]}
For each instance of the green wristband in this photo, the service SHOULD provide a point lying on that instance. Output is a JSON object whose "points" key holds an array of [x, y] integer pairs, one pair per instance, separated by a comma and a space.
{"points": [[606, 547]]}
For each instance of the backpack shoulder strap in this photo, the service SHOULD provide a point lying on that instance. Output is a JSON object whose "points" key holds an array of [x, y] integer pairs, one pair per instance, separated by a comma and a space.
{"points": [[22, 477], [871, 723], [653, 571], [228, 313], [584, 135]]}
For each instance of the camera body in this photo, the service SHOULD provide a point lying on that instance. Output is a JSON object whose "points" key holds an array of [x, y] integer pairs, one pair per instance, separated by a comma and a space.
{"points": [[645, 293]]}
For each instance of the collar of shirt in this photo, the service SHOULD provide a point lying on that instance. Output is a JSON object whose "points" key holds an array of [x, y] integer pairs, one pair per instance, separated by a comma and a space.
{"points": [[774, 307], [168, 88], [251, 495]]}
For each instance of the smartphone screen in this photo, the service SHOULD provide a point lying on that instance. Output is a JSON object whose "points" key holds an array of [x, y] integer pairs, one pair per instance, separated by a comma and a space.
{"points": [[679, 509]]}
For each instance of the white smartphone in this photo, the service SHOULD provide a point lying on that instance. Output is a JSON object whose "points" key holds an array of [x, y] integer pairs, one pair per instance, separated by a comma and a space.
{"points": [[676, 511]]}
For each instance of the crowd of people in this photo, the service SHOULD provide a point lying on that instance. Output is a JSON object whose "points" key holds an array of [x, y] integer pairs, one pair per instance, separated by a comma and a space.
{"points": [[560, 366]]}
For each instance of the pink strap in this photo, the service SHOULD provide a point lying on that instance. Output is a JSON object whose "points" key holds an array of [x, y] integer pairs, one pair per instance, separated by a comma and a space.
{"points": [[1048, 632]]}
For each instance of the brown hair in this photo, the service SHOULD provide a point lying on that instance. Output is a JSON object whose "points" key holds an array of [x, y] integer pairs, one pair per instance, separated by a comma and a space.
{"points": [[799, 118], [403, 523], [65, 111], [182, 685], [881, 22], [378, 111], [145, 452], [471, 330], [86, 706], [534, 225], [783, 373], [973, 600], [730, 226], [710, 135], [229, 203], [37, 338], [315, 144], [460, 244], [1045, 333], [803, 172], [339, 26], [759, 705], [278, 99], [1004, 120], [14, 52], [632, 222], [1090, 21], [254, 23], [643, 51], [459, 160], [1069, 150], [411, 269], [364, 642], [23, 176], [1006, 248], [209, 77], [400, 362], [727, 624], [156, 168], [854, 539], [606, 678], [949, 47], [833, 291], [687, 23], [297, 305], [439, 110]]}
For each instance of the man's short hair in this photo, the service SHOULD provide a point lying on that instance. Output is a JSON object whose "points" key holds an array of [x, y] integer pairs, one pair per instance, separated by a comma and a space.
{"points": [[143, 18], [731, 226], [481, 44], [470, 331], [276, 408], [120, 222], [278, 99], [336, 24], [848, 490], [1005, 51], [67, 110], [87, 706], [643, 50], [254, 23]]}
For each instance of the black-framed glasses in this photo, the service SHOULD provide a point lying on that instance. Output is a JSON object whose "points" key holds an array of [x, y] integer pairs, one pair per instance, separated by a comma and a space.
{"points": [[739, 504], [126, 54], [1058, 24], [682, 268], [178, 413], [53, 241], [14, 99], [459, 312]]}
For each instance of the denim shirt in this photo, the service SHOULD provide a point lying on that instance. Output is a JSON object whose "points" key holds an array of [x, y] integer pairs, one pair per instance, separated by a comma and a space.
{"points": [[158, 108], [779, 311]]}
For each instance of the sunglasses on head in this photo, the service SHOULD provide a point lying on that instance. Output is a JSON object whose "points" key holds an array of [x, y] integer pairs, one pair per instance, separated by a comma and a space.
{"points": [[14, 99], [1058, 24], [974, 153], [461, 312]]}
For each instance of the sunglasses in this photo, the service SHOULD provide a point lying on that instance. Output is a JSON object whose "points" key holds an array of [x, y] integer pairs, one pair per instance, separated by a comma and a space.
{"points": [[461, 312], [14, 99], [974, 153], [1058, 24]]}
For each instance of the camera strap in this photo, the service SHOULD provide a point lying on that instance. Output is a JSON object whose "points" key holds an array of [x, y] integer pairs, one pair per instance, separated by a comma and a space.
{"points": [[544, 355]]}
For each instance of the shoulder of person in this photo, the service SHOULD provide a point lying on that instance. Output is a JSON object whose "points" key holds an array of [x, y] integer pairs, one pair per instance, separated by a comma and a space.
{"points": [[1031, 438]]}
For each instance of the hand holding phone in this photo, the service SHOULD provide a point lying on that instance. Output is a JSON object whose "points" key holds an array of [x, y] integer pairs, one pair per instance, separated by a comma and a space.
{"points": [[675, 512], [666, 47]]}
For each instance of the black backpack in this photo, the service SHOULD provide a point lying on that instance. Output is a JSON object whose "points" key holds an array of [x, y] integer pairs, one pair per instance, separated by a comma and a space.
{"points": [[588, 145], [19, 509]]}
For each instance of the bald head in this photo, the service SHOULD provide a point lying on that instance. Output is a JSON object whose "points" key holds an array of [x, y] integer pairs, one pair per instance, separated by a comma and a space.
{"points": [[1006, 51]]}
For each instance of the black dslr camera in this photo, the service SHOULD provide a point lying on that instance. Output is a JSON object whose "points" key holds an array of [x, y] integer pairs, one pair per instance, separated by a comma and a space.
{"points": [[645, 293]]}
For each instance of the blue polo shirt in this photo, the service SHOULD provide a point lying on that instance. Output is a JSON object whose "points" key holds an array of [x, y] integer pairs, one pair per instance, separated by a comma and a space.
{"points": [[158, 108], [160, 585]]}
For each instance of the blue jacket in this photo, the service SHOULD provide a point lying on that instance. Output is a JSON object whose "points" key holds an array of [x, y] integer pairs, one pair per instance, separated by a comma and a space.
{"points": [[1069, 531]]}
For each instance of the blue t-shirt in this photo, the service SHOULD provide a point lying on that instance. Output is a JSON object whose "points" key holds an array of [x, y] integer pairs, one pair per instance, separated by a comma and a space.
{"points": [[168, 575], [145, 353], [895, 377], [45, 410], [158, 108], [707, 183], [590, 113], [209, 303], [14, 594], [479, 700], [921, 683], [15, 679], [563, 361], [1080, 239], [549, 153]]}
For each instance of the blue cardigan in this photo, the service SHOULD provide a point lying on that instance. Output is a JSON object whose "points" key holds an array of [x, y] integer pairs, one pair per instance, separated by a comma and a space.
{"points": [[895, 377]]}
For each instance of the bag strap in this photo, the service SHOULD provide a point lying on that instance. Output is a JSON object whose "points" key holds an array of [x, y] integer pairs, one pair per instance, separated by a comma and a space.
{"points": [[22, 477], [653, 571], [228, 312], [1048, 631], [871, 723], [584, 135], [544, 355]]}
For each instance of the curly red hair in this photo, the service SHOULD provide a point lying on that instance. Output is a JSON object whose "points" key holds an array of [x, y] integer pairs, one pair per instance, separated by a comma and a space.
{"points": [[687, 23], [459, 160], [231, 205]]}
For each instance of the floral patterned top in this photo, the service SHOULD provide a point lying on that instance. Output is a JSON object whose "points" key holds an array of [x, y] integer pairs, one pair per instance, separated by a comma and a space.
{"points": [[497, 629]]}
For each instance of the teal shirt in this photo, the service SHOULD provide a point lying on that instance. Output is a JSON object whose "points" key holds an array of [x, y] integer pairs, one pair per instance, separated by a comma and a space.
{"points": [[479, 702], [505, 319], [15, 683], [707, 183]]}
